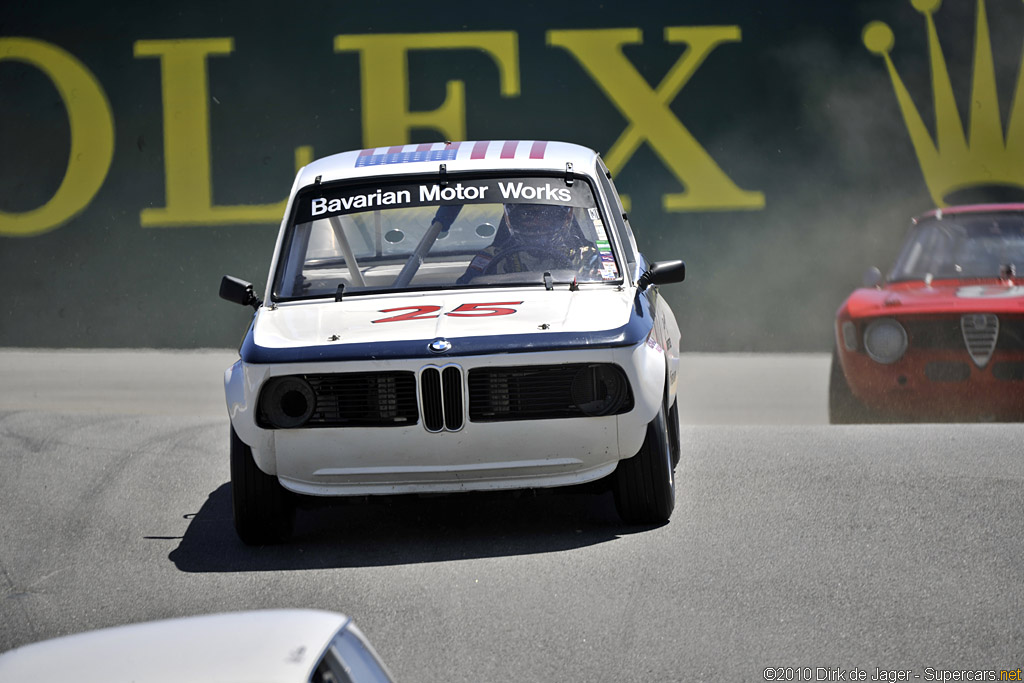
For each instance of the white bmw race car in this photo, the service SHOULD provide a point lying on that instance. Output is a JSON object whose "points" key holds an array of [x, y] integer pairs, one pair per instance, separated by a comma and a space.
{"points": [[458, 316]]}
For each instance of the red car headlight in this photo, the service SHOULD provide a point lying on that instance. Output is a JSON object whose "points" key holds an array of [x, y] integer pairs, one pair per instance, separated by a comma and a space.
{"points": [[885, 340]]}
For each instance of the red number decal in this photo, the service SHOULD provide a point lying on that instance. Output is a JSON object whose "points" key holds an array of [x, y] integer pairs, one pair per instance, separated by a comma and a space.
{"points": [[463, 311], [483, 310], [416, 313]]}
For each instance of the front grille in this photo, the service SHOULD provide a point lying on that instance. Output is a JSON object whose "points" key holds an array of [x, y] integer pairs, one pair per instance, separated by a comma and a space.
{"points": [[980, 333], [441, 398], [430, 399], [451, 388], [1011, 334], [548, 392], [947, 333], [934, 334], [363, 399]]}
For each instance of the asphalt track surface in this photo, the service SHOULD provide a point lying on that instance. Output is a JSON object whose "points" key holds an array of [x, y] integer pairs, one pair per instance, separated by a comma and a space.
{"points": [[794, 543]]}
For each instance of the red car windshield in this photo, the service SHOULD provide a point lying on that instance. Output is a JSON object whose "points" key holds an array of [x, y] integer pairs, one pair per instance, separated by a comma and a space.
{"points": [[962, 246]]}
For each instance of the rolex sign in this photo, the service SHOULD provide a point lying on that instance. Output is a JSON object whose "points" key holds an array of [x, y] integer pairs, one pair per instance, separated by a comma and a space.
{"points": [[779, 148]]}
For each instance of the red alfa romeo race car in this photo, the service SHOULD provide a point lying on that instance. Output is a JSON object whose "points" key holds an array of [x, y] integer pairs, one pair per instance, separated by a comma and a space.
{"points": [[941, 338]]}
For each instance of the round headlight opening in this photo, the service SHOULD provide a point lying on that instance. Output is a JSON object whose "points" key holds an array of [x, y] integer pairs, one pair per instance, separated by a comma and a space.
{"points": [[287, 402], [885, 340], [294, 403], [600, 390]]}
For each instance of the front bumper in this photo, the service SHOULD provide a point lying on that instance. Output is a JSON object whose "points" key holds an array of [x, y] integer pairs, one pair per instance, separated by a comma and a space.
{"points": [[331, 461], [939, 385]]}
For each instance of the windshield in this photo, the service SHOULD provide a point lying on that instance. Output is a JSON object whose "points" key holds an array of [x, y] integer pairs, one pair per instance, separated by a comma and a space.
{"points": [[962, 246], [469, 233]]}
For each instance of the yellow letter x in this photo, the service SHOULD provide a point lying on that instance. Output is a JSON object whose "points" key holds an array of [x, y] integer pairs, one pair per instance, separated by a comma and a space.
{"points": [[650, 120]]}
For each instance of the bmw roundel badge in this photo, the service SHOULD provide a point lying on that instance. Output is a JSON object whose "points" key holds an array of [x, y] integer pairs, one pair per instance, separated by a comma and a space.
{"points": [[440, 345]]}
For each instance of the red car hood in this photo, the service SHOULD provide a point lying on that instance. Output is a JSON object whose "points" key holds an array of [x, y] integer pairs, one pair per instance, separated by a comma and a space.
{"points": [[941, 296]]}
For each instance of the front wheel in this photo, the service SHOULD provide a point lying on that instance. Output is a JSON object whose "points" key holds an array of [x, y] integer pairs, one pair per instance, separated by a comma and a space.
{"points": [[264, 511], [644, 485]]}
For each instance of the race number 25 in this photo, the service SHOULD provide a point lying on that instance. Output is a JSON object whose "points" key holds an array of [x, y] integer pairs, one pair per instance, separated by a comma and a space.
{"points": [[464, 311]]}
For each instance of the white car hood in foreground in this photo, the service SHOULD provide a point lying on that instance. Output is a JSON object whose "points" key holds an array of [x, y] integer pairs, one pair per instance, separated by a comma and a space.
{"points": [[455, 314], [269, 646]]}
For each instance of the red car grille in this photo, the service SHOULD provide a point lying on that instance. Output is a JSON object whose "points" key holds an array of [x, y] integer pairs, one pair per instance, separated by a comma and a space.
{"points": [[980, 333], [947, 333]]}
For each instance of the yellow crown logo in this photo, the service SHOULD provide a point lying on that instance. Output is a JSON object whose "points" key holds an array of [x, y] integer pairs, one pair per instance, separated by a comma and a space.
{"points": [[953, 162]]}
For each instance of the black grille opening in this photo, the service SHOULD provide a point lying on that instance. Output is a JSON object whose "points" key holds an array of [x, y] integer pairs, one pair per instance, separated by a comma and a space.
{"points": [[1011, 334], [944, 333], [358, 399], [430, 399], [452, 398], [548, 392], [1008, 372]]}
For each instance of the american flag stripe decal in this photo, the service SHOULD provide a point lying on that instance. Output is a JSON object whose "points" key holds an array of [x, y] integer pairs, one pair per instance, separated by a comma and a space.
{"points": [[479, 150], [448, 151]]}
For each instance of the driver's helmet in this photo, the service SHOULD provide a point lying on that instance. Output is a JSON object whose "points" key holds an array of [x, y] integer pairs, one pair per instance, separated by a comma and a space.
{"points": [[538, 223]]}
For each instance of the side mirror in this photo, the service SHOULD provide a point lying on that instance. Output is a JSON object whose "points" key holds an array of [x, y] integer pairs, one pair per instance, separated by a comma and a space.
{"points": [[872, 277], [662, 273], [238, 292]]}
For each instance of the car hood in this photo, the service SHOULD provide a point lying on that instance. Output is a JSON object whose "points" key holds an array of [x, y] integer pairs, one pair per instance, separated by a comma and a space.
{"points": [[947, 296], [450, 315], [272, 646]]}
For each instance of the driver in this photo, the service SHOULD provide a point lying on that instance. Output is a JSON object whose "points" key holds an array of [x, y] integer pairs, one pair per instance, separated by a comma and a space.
{"points": [[533, 237]]}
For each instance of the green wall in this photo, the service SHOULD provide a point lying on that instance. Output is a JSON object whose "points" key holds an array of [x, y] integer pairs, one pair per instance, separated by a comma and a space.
{"points": [[144, 153]]}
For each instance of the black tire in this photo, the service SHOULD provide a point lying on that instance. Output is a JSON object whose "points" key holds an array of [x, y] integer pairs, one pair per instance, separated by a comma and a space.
{"points": [[644, 485], [673, 433], [264, 511], [843, 406]]}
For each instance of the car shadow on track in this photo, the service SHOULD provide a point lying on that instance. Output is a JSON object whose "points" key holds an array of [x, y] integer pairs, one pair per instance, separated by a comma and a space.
{"points": [[396, 530]]}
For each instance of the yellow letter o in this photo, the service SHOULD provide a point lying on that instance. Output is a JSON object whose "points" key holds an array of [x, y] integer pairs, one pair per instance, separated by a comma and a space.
{"points": [[92, 136]]}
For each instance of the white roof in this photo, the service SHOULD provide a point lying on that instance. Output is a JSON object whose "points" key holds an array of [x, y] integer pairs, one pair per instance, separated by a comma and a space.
{"points": [[482, 155], [268, 646]]}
